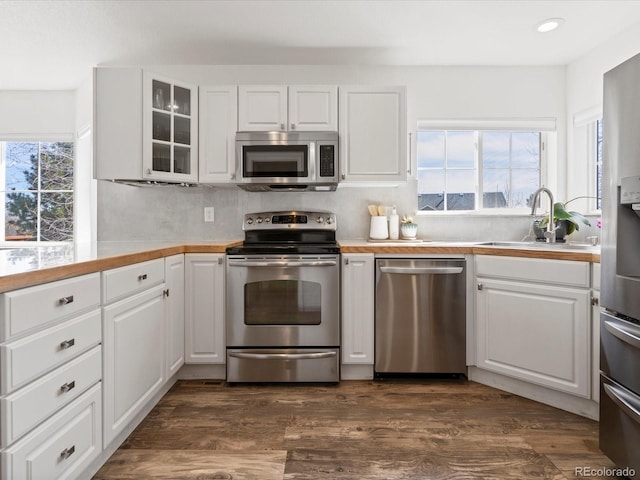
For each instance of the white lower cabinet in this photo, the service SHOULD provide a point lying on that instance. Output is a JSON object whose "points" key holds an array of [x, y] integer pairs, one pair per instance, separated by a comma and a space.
{"points": [[174, 280], [204, 308], [63, 446], [358, 276], [536, 332], [134, 357]]}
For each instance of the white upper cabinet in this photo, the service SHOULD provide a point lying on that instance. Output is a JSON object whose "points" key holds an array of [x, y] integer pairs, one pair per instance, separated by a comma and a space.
{"points": [[373, 134], [145, 126], [313, 108], [281, 108], [218, 125]]}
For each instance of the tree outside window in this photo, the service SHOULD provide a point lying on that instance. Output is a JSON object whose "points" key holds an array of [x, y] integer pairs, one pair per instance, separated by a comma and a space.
{"points": [[38, 191]]}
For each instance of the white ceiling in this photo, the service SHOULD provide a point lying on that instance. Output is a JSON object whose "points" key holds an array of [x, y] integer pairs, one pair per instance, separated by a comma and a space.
{"points": [[53, 44]]}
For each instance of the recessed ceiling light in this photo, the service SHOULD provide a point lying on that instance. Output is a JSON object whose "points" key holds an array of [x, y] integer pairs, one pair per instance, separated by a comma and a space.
{"points": [[549, 25]]}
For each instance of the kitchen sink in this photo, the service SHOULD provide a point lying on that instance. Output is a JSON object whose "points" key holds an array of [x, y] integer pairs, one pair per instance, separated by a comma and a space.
{"points": [[542, 245]]}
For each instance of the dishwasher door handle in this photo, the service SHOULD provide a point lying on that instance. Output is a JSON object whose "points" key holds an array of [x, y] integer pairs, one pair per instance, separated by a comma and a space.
{"points": [[421, 270]]}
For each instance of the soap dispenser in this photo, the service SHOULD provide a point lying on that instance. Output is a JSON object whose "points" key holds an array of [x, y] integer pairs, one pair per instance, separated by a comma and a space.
{"points": [[394, 224]]}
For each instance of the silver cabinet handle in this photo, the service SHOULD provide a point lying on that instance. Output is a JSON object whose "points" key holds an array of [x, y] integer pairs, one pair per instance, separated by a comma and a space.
{"points": [[68, 387], [421, 270], [67, 452], [624, 333], [283, 356], [165, 293], [625, 401], [480, 286], [142, 277], [67, 343], [65, 300]]}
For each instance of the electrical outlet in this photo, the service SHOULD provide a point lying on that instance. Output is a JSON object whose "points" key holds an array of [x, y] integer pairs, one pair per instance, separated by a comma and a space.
{"points": [[208, 214]]}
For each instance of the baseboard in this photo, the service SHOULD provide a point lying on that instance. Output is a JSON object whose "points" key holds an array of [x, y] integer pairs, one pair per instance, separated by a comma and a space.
{"points": [[202, 371], [564, 401], [356, 372], [93, 468]]}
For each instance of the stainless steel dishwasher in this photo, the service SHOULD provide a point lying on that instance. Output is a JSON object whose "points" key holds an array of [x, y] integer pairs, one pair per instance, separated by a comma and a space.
{"points": [[420, 316]]}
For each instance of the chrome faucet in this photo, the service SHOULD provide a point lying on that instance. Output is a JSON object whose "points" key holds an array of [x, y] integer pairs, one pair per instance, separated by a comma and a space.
{"points": [[550, 234]]}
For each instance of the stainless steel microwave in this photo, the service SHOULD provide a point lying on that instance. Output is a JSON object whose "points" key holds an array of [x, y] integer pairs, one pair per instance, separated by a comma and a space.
{"points": [[287, 161]]}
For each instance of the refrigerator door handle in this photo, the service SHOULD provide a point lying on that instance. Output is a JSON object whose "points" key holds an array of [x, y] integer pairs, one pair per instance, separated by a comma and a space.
{"points": [[623, 332], [624, 401]]}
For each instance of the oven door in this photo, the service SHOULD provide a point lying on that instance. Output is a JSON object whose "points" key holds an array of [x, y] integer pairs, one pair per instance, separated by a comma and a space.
{"points": [[275, 162], [283, 301]]}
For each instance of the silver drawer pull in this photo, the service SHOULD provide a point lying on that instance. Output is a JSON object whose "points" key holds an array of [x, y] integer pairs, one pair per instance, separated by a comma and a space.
{"points": [[67, 452], [68, 386], [67, 343], [66, 300], [142, 277]]}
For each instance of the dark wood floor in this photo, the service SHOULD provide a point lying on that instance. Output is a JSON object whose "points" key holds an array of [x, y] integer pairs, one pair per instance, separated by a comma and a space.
{"points": [[428, 429]]}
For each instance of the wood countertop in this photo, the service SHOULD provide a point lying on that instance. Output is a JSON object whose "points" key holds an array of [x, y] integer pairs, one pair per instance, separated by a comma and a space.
{"points": [[564, 252], [27, 266]]}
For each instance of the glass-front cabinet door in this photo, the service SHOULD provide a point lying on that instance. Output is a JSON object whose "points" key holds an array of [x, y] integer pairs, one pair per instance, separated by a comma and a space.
{"points": [[170, 130]]}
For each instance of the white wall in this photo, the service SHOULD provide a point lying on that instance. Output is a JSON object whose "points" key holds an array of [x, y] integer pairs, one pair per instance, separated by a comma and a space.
{"points": [[432, 92], [36, 112], [584, 98]]}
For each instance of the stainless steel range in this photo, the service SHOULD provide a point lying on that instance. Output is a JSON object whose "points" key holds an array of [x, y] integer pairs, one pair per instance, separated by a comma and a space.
{"points": [[283, 299]]}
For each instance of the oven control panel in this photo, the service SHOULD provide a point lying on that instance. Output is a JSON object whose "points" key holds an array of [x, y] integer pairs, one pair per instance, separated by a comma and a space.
{"points": [[289, 220]]}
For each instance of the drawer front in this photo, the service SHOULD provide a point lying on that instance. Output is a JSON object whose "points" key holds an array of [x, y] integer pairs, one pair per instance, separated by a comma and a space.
{"points": [[24, 409], [124, 281], [559, 272], [29, 308], [63, 446], [26, 359]]}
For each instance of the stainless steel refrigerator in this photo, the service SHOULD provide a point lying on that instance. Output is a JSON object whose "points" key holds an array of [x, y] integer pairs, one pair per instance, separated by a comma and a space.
{"points": [[620, 262]]}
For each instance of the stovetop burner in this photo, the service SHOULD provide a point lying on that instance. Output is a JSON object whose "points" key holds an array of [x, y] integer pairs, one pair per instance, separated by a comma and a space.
{"points": [[291, 232]]}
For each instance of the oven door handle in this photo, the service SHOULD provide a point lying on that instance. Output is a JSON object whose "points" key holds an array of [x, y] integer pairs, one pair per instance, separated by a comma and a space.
{"points": [[254, 263], [623, 333], [623, 400], [283, 356]]}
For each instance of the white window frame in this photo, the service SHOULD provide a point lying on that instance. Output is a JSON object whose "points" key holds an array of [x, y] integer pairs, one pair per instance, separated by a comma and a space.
{"points": [[67, 138], [547, 129], [587, 119]]}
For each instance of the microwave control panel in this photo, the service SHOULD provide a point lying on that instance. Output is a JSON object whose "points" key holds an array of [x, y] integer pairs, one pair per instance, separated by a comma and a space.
{"points": [[327, 160]]}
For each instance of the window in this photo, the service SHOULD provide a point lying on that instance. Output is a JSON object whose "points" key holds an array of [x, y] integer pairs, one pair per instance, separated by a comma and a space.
{"points": [[477, 169], [37, 186]]}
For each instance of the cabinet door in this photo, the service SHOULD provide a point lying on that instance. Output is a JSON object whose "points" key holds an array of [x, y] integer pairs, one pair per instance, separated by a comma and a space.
{"points": [[204, 308], [313, 108], [358, 274], [174, 275], [595, 345], [134, 353], [170, 129], [536, 333], [373, 134], [218, 125], [262, 108]]}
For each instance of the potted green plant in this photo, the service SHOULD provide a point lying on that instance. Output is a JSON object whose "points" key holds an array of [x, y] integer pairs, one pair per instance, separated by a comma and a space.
{"points": [[566, 222]]}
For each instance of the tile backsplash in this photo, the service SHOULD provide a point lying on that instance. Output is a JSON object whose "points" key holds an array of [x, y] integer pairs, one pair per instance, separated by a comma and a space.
{"points": [[128, 213]]}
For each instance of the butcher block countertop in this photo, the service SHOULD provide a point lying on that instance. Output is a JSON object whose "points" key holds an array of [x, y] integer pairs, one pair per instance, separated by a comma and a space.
{"points": [[511, 249], [27, 266]]}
